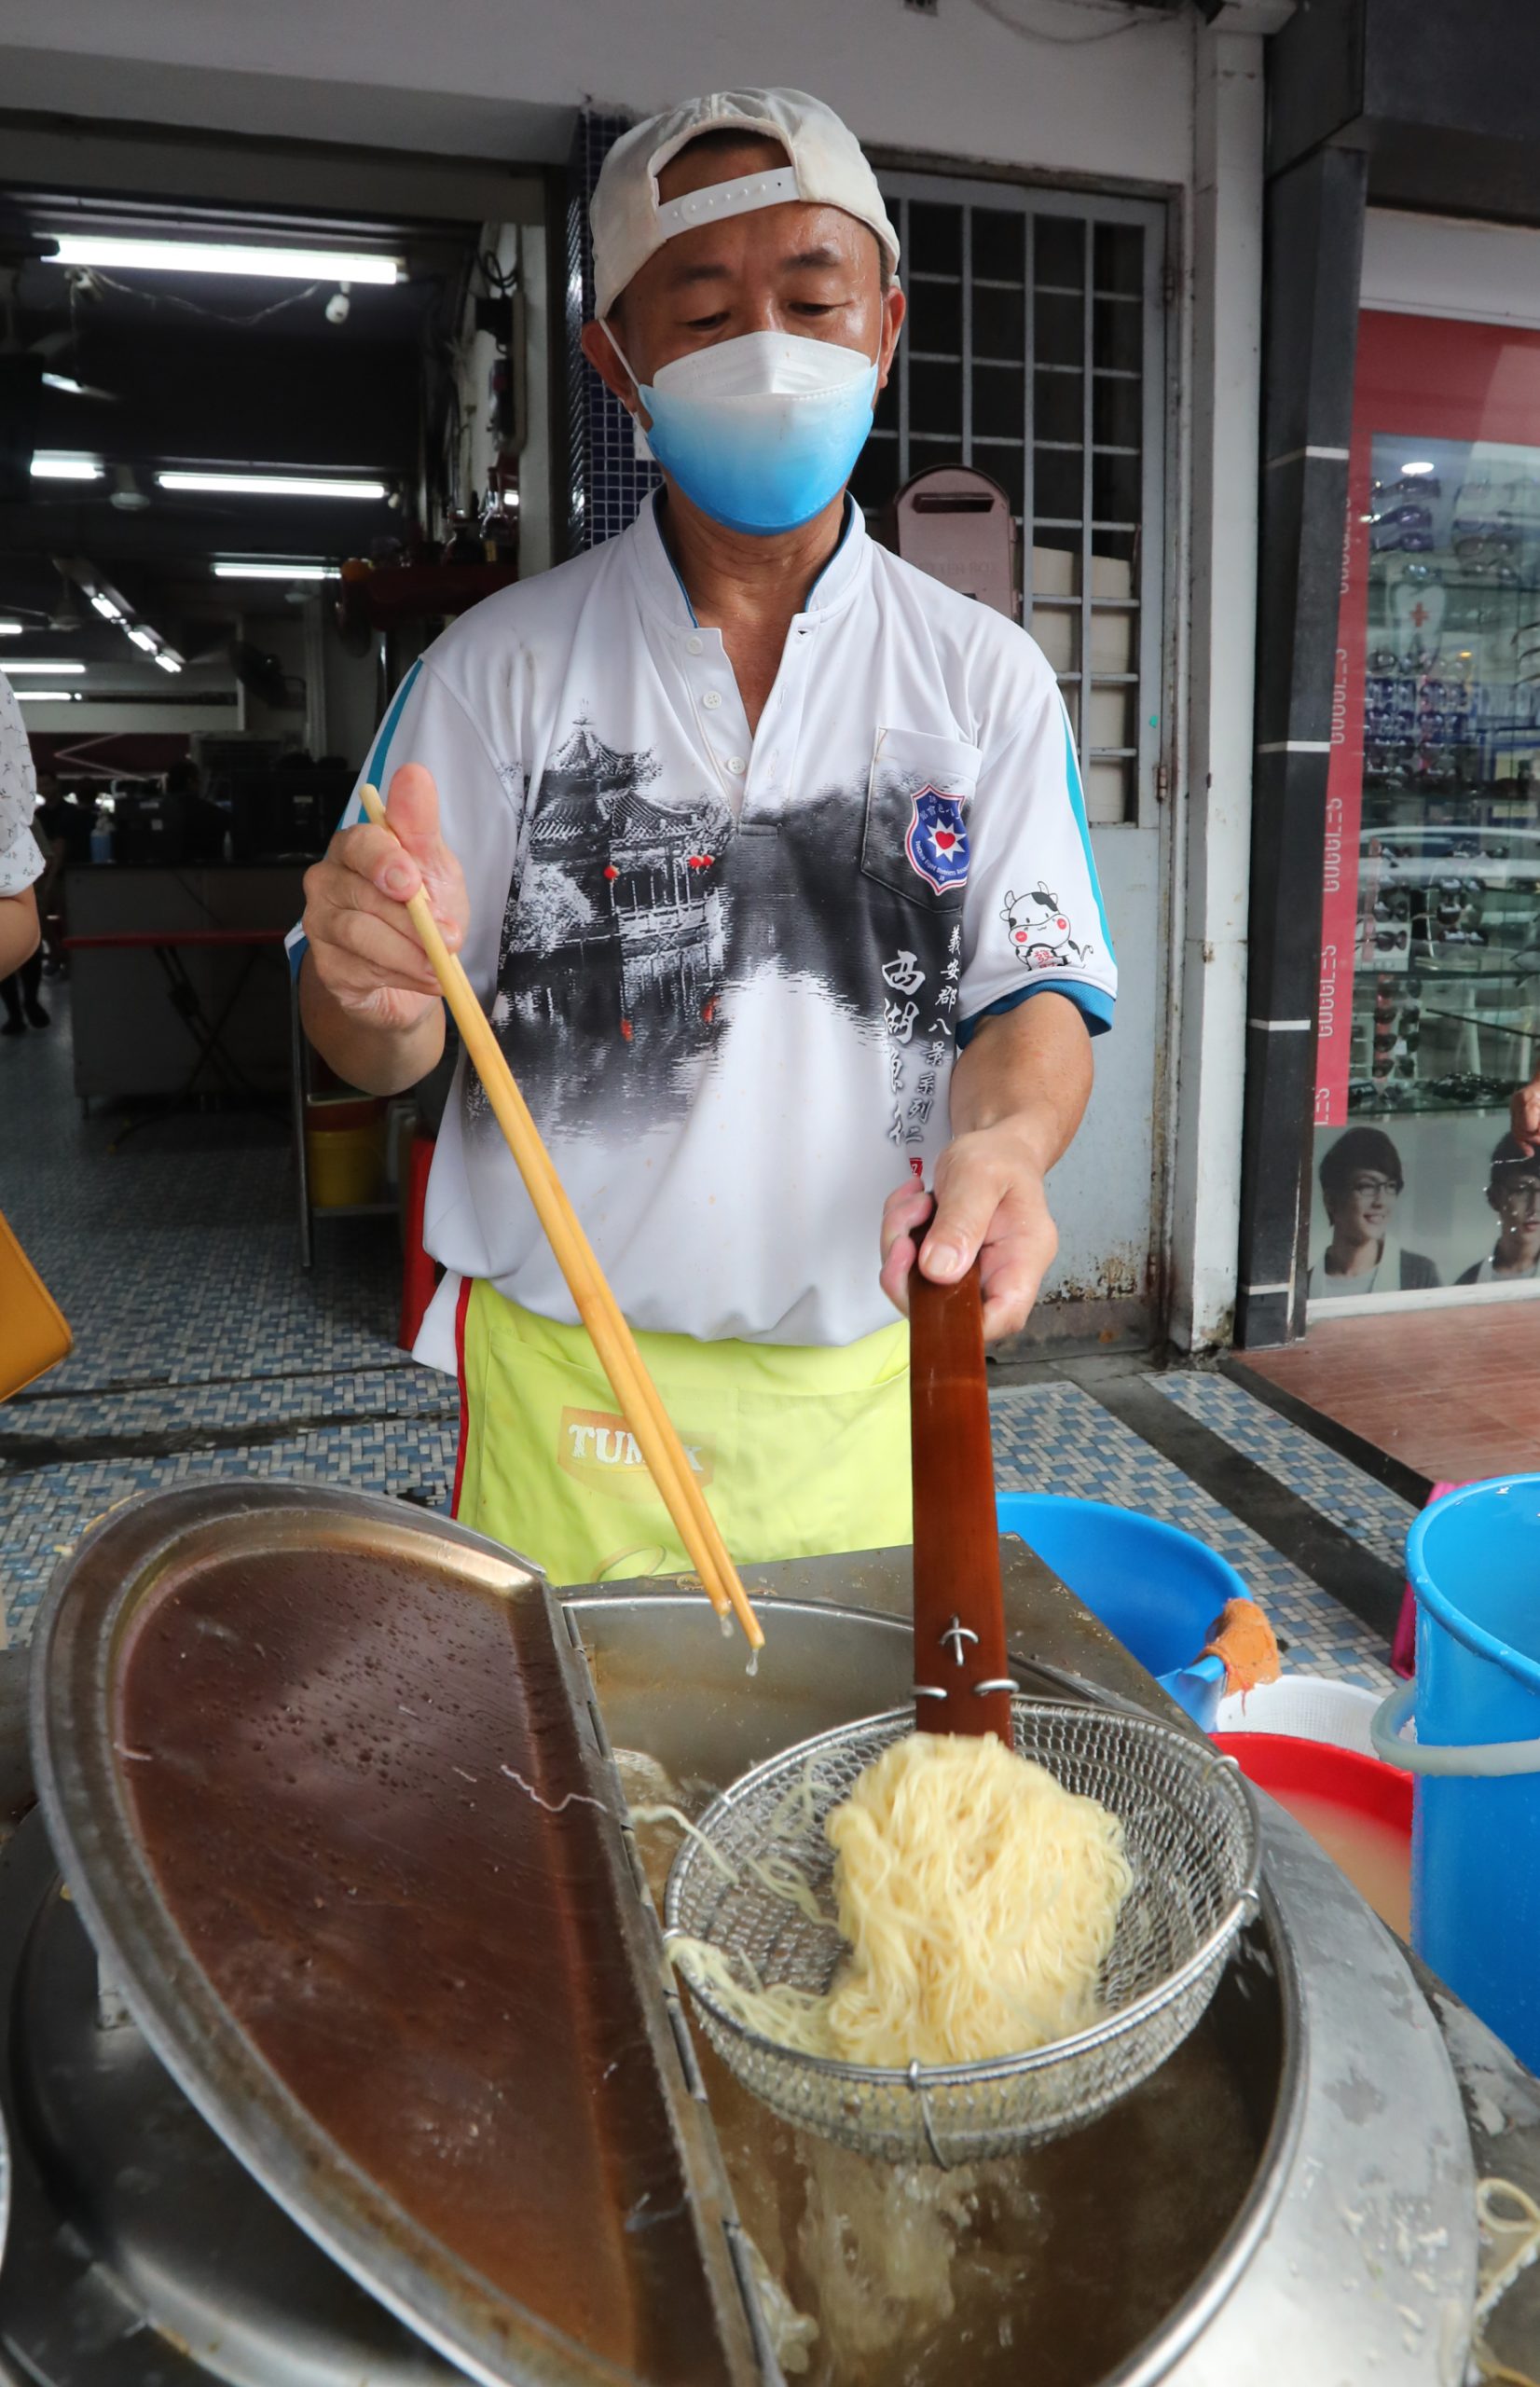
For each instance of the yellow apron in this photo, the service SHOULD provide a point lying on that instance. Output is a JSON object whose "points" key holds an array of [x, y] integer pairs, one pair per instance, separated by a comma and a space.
{"points": [[800, 1450]]}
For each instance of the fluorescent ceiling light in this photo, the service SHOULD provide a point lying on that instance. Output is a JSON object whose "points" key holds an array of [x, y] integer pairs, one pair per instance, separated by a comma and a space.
{"points": [[169, 662], [276, 572], [143, 640], [108, 611], [72, 389], [11, 629], [47, 696], [31, 663], [1415, 471], [225, 257], [269, 485], [49, 466]]}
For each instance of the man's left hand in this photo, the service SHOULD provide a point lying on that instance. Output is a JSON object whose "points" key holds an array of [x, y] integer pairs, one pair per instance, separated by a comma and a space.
{"points": [[991, 1203]]}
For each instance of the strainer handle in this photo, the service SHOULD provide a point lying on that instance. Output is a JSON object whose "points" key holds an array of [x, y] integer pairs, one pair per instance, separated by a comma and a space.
{"points": [[961, 1678]]}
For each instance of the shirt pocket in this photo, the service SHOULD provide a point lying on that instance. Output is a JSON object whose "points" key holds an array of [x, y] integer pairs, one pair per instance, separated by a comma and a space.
{"points": [[919, 797]]}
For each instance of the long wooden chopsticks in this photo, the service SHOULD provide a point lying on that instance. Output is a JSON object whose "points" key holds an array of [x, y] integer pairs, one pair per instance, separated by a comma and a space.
{"points": [[621, 1362]]}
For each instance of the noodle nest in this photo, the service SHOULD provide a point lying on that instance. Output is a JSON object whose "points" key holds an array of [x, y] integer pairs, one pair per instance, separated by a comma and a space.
{"points": [[978, 1898]]}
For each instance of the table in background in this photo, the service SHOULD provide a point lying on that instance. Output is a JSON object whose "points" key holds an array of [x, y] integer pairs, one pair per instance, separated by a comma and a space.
{"points": [[128, 1037]]}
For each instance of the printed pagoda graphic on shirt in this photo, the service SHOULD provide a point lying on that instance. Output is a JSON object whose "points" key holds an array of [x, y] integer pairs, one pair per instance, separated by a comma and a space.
{"points": [[608, 865], [636, 927], [615, 937]]}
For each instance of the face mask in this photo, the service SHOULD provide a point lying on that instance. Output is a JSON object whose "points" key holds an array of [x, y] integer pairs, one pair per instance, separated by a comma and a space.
{"points": [[760, 432]]}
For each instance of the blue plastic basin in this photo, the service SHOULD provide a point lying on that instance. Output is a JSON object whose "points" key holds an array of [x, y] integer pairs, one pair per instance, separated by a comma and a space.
{"points": [[1157, 1589]]}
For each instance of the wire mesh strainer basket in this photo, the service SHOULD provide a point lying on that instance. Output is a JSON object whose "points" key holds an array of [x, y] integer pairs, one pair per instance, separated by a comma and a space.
{"points": [[1190, 1837]]}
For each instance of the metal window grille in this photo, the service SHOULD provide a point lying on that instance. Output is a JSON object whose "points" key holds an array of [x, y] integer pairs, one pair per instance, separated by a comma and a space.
{"points": [[1034, 351], [605, 479]]}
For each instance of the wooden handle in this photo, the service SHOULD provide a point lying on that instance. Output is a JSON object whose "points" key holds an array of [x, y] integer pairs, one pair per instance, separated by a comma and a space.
{"points": [[612, 1337], [959, 1610]]}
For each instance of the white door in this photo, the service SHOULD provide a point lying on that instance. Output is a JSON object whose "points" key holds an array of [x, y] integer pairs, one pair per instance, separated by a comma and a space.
{"points": [[1035, 351]]}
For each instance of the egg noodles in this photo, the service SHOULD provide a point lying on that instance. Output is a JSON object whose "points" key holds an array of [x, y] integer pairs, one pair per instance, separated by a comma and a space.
{"points": [[978, 1899]]}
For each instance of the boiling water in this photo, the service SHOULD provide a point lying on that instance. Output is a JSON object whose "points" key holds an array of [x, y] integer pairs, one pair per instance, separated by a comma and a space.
{"points": [[1049, 2267], [1376, 1858]]}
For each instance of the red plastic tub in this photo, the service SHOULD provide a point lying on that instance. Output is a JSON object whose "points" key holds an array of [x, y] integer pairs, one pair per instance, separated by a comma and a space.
{"points": [[1357, 1808]]}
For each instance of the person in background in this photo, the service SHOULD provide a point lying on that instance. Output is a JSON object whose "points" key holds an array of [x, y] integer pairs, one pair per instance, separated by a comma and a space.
{"points": [[50, 887], [63, 820], [21, 866], [1361, 1182], [1513, 1190]]}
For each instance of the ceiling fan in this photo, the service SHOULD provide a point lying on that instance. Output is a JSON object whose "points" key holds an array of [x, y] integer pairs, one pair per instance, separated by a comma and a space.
{"points": [[20, 246]]}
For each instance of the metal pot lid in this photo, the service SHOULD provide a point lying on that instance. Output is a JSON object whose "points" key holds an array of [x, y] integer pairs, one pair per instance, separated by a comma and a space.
{"points": [[141, 2254], [329, 1789]]}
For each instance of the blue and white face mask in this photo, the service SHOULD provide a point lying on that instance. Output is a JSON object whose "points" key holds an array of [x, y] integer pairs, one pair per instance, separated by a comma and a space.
{"points": [[760, 432]]}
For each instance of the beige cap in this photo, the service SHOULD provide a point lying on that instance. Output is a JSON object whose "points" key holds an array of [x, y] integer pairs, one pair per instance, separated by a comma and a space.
{"points": [[825, 167]]}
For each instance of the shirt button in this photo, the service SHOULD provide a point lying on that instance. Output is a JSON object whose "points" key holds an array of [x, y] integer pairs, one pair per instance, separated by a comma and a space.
{"points": [[694, 646], [710, 700], [736, 764]]}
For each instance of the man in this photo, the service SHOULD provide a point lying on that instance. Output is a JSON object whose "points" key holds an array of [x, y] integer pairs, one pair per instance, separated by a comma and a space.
{"points": [[20, 856], [1513, 1191], [734, 822], [1361, 1183]]}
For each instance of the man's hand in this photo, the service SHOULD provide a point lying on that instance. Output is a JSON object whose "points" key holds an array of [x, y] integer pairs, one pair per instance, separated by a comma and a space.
{"points": [[363, 946], [1524, 1115], [1019, 1088], [991, 1202]]}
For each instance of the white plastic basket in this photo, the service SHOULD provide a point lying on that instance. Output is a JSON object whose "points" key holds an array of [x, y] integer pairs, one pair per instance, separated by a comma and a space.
{"points": [[1304, 1707]]}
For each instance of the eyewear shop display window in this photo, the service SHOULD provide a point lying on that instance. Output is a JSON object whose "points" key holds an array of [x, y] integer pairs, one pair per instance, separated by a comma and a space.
{"points": [[1430, 972]]}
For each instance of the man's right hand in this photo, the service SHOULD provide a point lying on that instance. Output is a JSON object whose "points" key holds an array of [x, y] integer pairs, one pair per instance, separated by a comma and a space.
{"points": [[364, 948]]}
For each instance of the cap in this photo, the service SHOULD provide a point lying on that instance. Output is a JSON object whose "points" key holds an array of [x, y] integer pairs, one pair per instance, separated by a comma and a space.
{"points": [[826, 167]]}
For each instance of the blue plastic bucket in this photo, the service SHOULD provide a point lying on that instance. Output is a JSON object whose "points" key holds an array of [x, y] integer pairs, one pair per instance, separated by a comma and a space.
{"points": [[1155, 1588], [1474, 1559]]}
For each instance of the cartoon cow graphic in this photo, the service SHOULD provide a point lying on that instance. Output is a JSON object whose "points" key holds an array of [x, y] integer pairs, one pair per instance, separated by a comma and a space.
{"points": [[1040, 932]]}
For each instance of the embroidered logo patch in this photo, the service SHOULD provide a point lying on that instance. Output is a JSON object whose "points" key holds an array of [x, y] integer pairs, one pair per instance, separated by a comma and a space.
{"points": [[1040, 932], [937, 842]]}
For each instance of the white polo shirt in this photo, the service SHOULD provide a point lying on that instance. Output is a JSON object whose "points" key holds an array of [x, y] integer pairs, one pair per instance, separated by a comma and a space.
{"points": [[730, 971]]}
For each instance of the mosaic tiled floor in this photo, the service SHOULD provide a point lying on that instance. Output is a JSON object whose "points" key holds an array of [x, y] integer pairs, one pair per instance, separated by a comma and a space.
{"points": [[1370, 1511], [204, 1353]]}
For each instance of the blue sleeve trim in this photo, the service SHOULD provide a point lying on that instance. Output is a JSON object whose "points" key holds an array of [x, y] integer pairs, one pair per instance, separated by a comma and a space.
{"points": [[374, 770], [297, 944], [1076, 804], [1094, 1007]]}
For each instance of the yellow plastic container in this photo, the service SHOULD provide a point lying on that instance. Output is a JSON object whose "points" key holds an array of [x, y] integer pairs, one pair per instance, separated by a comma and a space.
{"points": [[345, 1152]]}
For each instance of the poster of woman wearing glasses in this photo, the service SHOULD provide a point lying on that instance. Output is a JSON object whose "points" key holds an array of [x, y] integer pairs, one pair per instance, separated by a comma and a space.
{"points": [[1362, 1181]]}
